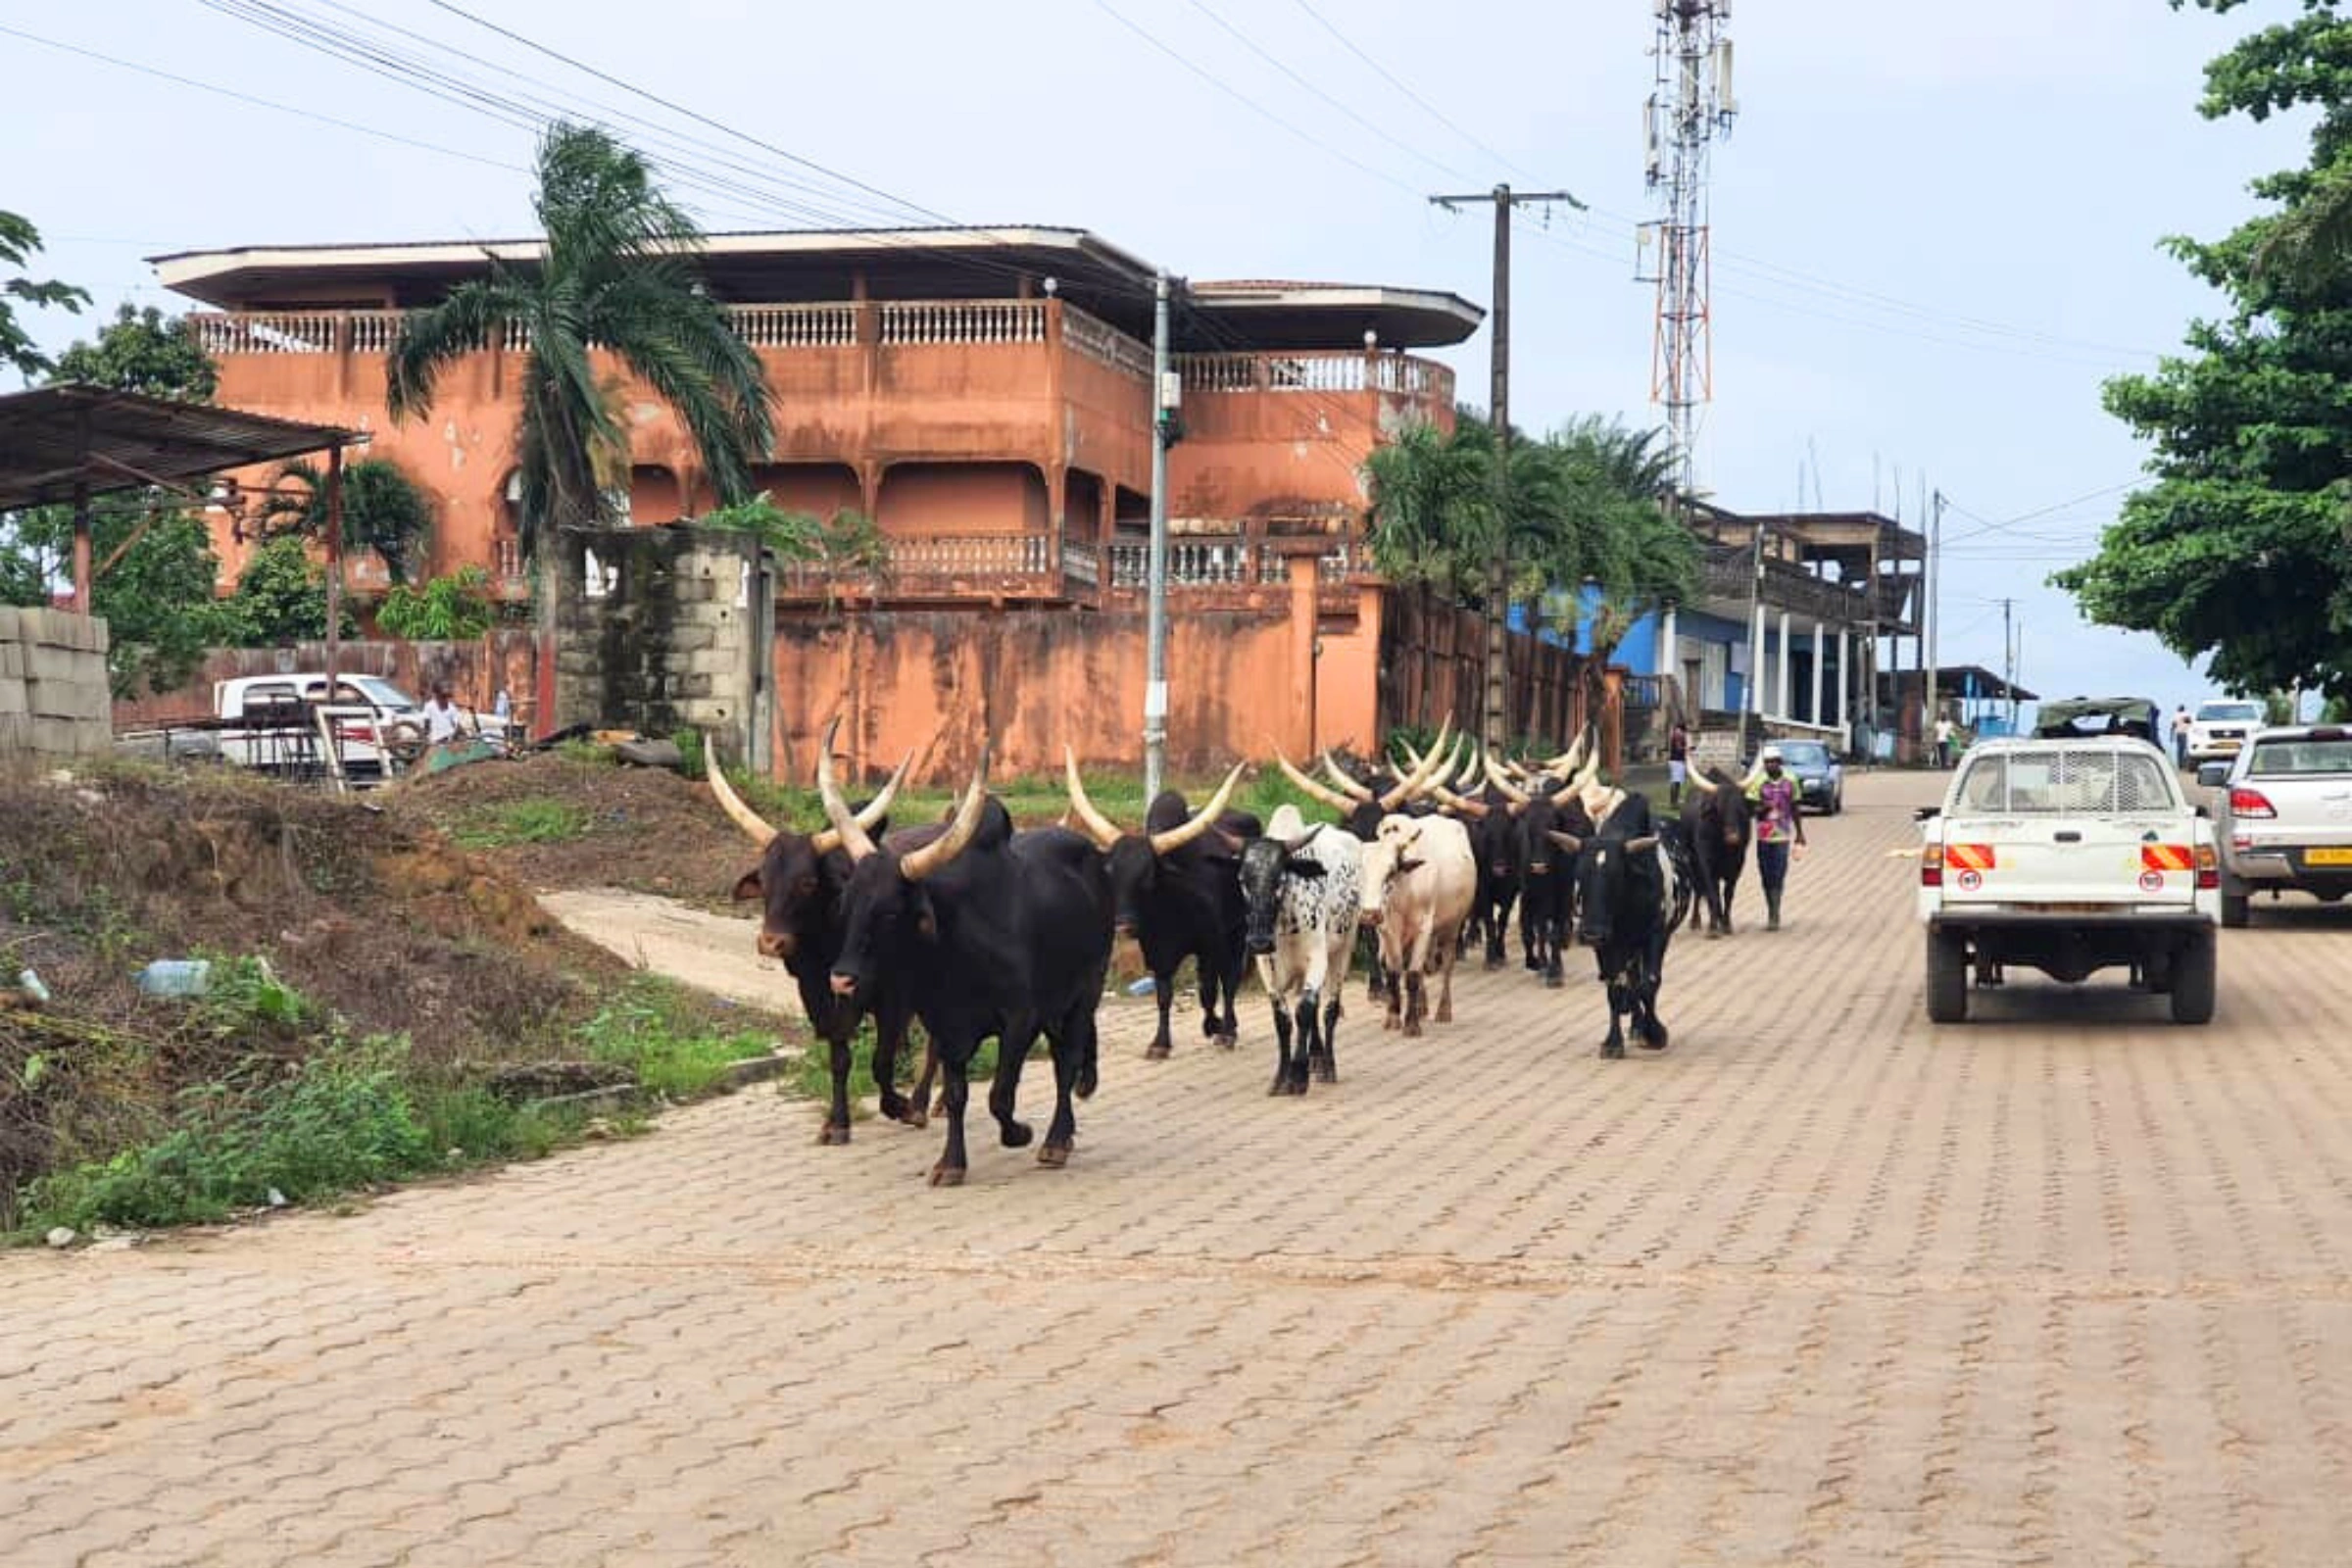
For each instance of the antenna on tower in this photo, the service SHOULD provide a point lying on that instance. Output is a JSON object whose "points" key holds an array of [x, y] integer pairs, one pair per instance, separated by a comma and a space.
{"points": [[1690, 105]]}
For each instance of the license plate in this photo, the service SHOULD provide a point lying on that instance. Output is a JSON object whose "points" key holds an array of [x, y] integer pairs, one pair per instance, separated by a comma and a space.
{"points": [[2070, 908], [2327, 856]]}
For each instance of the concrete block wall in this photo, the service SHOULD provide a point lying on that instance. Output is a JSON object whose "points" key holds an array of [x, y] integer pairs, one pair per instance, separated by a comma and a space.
{"points": [[54, 699], [674, 638]]}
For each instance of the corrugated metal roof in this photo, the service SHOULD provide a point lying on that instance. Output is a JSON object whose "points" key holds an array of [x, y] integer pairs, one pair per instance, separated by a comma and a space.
{"points": [[55, 437]]}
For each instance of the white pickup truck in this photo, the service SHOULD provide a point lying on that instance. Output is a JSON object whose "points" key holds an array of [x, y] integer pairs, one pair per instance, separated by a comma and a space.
{"points": [[2069, 855], [2284, 816]]}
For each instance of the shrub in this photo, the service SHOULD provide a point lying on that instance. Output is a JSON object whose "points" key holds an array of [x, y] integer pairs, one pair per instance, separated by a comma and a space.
{"points": [[450, 608], [652, 1030]]}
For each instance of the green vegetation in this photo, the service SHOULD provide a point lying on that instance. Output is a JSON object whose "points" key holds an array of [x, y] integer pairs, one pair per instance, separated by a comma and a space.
{"points": [[384, 510], [536, 820], [450, 609], [2237, 550], [18, 241], [649, 1029]]}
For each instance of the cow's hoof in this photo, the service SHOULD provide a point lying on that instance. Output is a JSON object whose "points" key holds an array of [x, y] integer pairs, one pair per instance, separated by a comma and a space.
{"points": [[830, 1134], [1086, 1085], [1714, 932], [1612, 1051], [1533, 965], [1552, 979], [1280, 1086], [944, 1174], [1157, 1051], [1655, 1039], [1493, 962], [1445, 1010], [1228, 1040], [1412, 1029], [1054, 1156], [1326, 1075], [1298, 1086], [1015, 1134]]}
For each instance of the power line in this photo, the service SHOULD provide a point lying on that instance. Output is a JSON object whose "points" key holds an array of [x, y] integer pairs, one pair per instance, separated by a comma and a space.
{"points": [[1389, 77]]}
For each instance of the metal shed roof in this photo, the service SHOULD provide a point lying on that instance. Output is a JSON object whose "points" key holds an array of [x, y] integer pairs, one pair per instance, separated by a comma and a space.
{"points": [[54, 438]]}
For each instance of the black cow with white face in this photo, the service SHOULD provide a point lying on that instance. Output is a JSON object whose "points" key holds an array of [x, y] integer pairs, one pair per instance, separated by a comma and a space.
{"points": [[1625, 912], [1175, 889], [1717, 827], [799, 884], [987, 932]]}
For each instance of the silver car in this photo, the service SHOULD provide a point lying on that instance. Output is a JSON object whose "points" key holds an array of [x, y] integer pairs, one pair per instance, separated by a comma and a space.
{"points": [[2282, 811]]}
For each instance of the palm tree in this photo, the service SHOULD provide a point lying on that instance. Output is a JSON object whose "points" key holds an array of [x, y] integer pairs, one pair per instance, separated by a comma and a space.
{"points": [[384, 510], [1433, 509], [618, 277]]}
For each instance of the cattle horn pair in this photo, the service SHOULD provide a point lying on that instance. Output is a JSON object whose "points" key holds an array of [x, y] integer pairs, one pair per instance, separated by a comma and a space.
{"points": [[824, 841], [1167, 841], [1496, 777], [1440, 791], [1328, 796], [1354, 788], [1417, 781], [914, 864]]}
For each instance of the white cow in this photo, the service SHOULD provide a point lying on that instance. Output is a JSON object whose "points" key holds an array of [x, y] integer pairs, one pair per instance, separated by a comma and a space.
{"points": [[1420, 883], [1299, 884]]}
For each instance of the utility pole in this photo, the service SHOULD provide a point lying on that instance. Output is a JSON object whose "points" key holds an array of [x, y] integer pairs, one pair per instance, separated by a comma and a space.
{"points": [[1498, 563], [1155, 678], [1935, 590], [2009, 661], [1755, 630]]}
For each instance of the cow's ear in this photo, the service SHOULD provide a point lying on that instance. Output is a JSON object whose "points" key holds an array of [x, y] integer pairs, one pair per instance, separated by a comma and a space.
{"points": [[747, 887], [1298, 866]]}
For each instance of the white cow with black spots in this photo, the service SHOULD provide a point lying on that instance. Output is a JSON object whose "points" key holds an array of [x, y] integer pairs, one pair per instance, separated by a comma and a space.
{"points": [[1300, 887]]}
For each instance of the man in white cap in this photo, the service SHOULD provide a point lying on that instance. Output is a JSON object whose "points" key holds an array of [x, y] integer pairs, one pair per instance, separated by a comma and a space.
{"points": [[1779, 824]]}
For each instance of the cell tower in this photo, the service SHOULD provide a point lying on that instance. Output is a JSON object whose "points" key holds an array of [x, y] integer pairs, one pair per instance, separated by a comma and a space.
{"points": [[1690, 107]]}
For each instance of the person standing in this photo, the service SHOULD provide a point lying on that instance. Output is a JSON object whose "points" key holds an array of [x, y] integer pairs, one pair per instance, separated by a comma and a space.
{"points": [[1678, 765], [1779, 826], [440, 715], [1944, 741], [2180, 724]]}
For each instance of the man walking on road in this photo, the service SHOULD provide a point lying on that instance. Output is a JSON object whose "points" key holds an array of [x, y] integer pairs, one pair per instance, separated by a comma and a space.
{"points": [[1944, 741], [1678, 765], [2180, 723], [1779, 824]]}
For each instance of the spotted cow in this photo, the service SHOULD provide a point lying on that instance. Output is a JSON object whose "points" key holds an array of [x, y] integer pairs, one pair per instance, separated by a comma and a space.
{"points": [[1299, 887]]}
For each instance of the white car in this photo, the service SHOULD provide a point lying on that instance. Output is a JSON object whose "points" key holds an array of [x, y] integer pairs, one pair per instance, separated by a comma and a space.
{"points": [[2069, 855], [2221, 728], [2284, 814]]}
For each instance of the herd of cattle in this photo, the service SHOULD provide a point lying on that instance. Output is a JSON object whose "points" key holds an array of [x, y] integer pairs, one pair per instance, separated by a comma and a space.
{"points": [[980, 930]]}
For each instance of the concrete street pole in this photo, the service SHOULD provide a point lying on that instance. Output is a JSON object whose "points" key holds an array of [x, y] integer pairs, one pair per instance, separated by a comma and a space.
{"points": [[1155, 679]]}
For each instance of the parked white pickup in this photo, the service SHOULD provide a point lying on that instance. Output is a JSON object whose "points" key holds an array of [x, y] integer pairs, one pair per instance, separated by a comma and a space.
{"points": [[2069, 857]]}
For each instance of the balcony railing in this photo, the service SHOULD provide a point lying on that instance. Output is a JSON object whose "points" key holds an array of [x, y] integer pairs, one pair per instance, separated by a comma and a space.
{"points": [[929, 566], [964, 321], [1731, 575], [1336, 372], [1104, 343]]}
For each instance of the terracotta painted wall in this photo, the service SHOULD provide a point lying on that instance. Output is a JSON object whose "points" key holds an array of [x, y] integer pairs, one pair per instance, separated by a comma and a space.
{"points": [[1029, 681], [924, 499]]}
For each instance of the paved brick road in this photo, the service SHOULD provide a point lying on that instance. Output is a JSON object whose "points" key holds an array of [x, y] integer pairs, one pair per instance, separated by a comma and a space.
{"points": [[1818, 1286]]}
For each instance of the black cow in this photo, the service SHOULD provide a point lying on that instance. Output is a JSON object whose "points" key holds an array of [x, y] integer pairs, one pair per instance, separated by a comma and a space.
{"points": [[799, 884], [1716, 827], [987, 932], [1175, 888], [1624, 915], [1494, 839], [1547, 825]]}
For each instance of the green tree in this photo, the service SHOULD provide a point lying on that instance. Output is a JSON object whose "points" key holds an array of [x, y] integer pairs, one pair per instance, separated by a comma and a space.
{"points": [[450, 609], [19, 243], [144, 351], [848, 546], [618, 277], [384, 510], [2237, 550], [280, 598]]}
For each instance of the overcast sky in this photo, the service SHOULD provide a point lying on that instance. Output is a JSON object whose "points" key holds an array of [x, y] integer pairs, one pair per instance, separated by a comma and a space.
{"points": [[1936, 225]]}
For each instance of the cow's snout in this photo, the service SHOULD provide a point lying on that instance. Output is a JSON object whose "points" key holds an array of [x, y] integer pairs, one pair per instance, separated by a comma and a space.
{"points": [[1259, 945], [844, 985], [1369, 918], [778, 944], [1123, 926]]}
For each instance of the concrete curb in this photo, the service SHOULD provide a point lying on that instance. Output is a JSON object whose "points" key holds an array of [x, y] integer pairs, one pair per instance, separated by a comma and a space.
{"points": [[621, 1097]]}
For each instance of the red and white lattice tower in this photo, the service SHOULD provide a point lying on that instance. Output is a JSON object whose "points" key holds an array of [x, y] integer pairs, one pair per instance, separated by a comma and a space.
{"points": [[1690, 107]]}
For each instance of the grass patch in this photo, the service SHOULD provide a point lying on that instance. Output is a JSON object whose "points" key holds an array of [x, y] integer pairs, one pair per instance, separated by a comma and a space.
{"points": [[510, 822], [667, 1037]]}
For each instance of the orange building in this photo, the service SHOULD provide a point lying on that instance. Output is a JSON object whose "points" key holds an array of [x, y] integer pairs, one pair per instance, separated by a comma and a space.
{"points": [[984, 395], [975, 392]]}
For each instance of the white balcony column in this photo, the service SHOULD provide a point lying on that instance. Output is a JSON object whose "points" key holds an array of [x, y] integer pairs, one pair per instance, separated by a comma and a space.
{"points": [[1845, 689], [1781, 675], [1666, 643], [1755, 665], [1820, 647]]}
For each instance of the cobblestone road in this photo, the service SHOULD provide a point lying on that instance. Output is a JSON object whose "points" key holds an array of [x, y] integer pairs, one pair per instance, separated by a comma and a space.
{"points": [[1820, 1285]]}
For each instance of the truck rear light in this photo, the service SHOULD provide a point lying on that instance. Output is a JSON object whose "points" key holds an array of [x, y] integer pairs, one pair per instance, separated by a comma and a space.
{"points": [[1931, 866], [2252, 804], [2209, 867]]}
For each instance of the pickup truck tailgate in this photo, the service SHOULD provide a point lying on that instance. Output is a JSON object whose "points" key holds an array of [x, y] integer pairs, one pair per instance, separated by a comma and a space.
{"points": [[2066, 827]]}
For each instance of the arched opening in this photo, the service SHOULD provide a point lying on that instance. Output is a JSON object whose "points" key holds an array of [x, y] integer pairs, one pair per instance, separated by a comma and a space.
{"points": [[924, 500], [819, 489], [655, 496], [1082, 512]]}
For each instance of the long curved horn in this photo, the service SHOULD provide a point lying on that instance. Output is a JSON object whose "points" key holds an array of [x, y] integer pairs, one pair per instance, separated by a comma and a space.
{"points": [[1170, 840], [1510, 791], [1092, 822], [755, 826], [1307, 786], [916, 865], [1353, 787], [1459, 805], [1418, 780], [848, 832], [824, 841], [1569, 761]]}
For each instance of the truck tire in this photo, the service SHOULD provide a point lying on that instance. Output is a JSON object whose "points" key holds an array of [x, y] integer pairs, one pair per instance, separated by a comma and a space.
{"points": [[2238, 906], [2193, 980], [1947, 977]]}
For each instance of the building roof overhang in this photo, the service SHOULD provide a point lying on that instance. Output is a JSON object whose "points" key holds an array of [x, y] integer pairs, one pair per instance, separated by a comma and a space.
{"points": [[812, 265], [57, 439]]}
